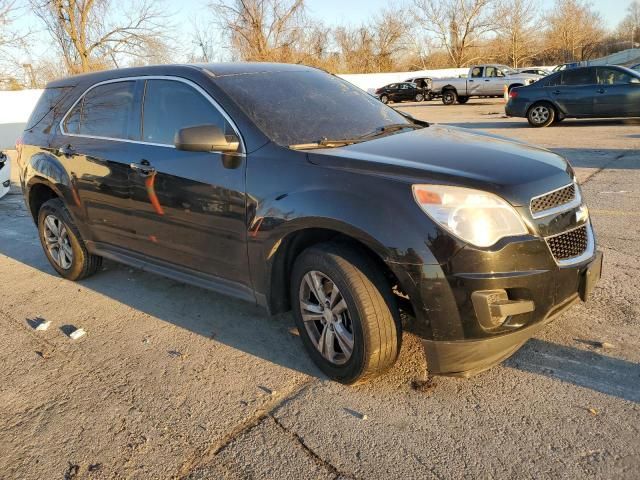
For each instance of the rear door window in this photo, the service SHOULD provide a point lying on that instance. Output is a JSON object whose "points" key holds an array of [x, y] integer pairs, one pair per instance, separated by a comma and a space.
{"points": [[171, 105], [578, 76], [105, 111]]}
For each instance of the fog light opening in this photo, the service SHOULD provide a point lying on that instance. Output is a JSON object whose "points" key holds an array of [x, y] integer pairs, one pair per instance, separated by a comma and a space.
{"points": [[493, 307]]}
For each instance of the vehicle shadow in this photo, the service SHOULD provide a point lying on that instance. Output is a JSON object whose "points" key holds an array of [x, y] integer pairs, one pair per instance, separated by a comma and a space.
{"points": [[587, 369], [235, 323]]}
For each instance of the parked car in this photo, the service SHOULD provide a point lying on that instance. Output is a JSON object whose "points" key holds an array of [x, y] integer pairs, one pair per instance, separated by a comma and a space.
{"points": [[400, 92], [534, 71], [482, 81], [291, 188], [585, 92], [5, 174], [565, 66]]}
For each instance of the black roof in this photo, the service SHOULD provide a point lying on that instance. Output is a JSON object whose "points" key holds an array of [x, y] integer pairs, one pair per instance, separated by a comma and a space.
{"points": [[217, 69]]}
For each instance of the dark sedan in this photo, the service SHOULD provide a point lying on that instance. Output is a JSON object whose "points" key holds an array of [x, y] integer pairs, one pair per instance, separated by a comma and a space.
{"points": [[587, 92], [400, 92]]}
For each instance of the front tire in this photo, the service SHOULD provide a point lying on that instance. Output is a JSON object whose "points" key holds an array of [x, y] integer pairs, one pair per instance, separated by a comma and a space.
{"points": [[449, 97], [384, 99], [62, 243], [541, 115], [419, 97], [463, 100], [343, 308]]}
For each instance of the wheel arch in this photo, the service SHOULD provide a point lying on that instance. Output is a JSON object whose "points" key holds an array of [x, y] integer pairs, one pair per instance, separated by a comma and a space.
{"points": [[296, 241], [40, 191]]}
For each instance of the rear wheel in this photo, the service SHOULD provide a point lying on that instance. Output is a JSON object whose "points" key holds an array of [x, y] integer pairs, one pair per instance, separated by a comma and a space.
{"points": [[463, 100], [62, 243], [541, 115], [449, 97], [384, 99], [343, 310]]}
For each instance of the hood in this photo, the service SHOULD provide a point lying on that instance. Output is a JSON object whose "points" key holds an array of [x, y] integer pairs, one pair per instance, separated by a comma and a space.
{"points": [[454, 156]]}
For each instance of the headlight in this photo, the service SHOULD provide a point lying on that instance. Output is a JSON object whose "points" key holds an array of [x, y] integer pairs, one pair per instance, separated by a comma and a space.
{"points": [[477, 217]]}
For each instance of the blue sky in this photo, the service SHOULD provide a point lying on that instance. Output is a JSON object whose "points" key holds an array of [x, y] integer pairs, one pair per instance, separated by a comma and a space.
{"points": [[332, 12]]}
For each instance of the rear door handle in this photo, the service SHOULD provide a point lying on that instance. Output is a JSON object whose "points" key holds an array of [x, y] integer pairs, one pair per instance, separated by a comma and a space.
{"points": [[487, 80], [556, 92], [143, 168], [601, 90]]}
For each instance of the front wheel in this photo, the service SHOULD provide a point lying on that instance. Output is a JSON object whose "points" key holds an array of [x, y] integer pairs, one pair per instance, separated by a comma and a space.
{"points": [[384, 99], [541, 115], [463, 100], [343, 310], [63, 244], [449, 97], [419, 97]]}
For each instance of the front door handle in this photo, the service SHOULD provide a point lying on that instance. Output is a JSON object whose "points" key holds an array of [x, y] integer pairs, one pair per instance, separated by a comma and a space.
{"points": [[487, 80], [601, 90], [67, 150], [143, 168], [556, 92]]}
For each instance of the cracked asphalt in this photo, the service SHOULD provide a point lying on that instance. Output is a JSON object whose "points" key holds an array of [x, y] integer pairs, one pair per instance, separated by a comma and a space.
{"points": [[172, 381]]}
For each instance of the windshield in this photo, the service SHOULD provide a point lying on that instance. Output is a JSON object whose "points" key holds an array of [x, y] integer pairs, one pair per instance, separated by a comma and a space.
{"points": [[307, 106]]}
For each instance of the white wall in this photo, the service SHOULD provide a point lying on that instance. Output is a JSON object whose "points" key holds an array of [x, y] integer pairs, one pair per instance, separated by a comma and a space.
{"points": [[15, 108]]}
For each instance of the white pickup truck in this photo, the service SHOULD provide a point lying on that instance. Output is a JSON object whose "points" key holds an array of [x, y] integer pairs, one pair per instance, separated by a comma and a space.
{"points": [[481, 81]]}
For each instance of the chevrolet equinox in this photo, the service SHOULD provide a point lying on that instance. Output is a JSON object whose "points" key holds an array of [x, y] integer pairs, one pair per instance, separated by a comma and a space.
{"points": [[293, 189]]}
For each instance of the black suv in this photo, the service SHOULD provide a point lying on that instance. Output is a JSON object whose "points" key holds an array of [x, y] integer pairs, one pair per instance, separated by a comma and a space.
{"points": [[291, 188]]}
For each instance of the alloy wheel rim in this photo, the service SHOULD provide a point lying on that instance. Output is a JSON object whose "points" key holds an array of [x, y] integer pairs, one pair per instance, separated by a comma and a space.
{"points": [[540, 114], [57, 241], [326, 317]]}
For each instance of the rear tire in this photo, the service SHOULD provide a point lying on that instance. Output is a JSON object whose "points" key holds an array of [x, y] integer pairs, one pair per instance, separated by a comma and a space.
{"points": [[541, 114], [449, 97], [62, 243], [368, 318]]}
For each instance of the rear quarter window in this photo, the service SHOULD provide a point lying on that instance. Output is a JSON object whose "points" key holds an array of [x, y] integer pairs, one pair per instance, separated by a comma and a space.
{"points": [[49, 100]]}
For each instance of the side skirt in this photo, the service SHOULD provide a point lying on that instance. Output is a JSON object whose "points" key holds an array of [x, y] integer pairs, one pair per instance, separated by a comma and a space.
{"points": [[175, 272]]}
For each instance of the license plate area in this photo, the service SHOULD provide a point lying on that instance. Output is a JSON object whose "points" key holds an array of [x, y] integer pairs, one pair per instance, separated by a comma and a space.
{"points": [[589, 278]]}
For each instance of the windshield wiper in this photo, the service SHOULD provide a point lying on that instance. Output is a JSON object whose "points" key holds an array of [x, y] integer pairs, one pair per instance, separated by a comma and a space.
{"points": [[341, 142]]}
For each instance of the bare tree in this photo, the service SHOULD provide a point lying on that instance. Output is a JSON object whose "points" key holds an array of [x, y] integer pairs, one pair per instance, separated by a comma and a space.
{"points": [[629, 28], [573, 30], [96, 34], [518, 29], [458, 25], [11, 41], [262, 30]]}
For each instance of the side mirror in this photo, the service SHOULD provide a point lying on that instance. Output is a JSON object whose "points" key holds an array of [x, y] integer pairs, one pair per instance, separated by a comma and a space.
{"points": [[205, 138]]}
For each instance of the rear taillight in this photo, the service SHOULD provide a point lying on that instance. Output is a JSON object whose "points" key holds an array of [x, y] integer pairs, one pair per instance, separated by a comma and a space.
{"points": [[513, 94]]}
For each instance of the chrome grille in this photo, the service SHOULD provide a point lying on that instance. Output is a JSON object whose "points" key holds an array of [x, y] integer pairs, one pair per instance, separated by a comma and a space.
{"points": [[569, 244], [553, 199]]}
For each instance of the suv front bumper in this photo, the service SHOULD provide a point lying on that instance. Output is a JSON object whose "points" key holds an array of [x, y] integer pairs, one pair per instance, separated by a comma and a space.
{"points": [[467, 357]]}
